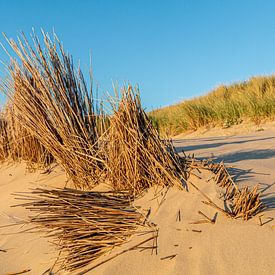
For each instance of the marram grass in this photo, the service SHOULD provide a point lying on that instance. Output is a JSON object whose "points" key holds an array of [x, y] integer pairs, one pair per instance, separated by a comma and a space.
{"points": [[225, 106]]}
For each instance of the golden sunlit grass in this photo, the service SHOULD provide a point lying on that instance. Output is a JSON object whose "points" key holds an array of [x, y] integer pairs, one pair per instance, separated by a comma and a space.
{"points": [[136, 156], [225, 106], [52, 102], [17, 144]]}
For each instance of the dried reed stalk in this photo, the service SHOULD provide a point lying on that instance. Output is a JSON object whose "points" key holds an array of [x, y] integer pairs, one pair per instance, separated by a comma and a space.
{"points": [[136, 156], [4, 140], [244, 202], [55, 106], [84, 225], [52, 102], [17, 144]]}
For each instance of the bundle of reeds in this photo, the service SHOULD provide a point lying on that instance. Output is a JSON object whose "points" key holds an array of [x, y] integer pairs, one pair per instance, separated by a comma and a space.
{"points": [[136, 156], [16, 144], [243, 202], [23, 146], [246, 203], [225, 181], [53, 103], [84, 225], [55, 106]]}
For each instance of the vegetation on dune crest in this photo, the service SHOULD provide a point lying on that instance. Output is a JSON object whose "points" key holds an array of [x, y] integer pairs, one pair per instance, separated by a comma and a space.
{"points": [[225, 106]]}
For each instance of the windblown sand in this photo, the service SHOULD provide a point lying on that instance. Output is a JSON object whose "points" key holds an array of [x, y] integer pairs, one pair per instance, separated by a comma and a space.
{"points": [[226, 247]]}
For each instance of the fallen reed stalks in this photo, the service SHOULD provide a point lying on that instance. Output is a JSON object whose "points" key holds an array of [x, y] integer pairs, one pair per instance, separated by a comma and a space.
{"points": [[243, 202], [84, 225]]}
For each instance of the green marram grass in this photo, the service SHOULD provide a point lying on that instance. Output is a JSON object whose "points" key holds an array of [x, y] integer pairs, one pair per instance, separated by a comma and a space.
{"points": [[225, 106]]}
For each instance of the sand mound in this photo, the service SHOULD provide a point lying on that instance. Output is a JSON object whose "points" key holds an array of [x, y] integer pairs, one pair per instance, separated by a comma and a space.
{"points": [[225, 247]]}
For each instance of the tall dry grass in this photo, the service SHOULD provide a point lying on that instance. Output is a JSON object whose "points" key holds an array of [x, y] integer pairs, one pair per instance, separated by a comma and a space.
{"points": [[17, 144], [225, 106], [53, 102], [136, 156]]}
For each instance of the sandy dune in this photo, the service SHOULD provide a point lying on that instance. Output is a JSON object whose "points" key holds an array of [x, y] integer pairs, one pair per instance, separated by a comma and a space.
{"points": [[226, 247]]}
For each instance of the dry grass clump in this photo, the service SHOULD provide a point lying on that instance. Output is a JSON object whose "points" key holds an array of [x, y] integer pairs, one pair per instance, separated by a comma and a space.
{"points": [[242, 202], [225, 181], [55, 106], [246, 203], [52, 102], [136, 156], [17, 144], [84, 225]]}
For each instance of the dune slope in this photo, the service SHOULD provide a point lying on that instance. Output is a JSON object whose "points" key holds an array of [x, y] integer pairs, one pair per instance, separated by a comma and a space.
{"points": [[226, 247]]}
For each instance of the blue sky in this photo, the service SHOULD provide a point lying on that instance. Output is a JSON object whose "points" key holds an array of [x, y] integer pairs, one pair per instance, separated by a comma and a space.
{"points": [[173, 49]]}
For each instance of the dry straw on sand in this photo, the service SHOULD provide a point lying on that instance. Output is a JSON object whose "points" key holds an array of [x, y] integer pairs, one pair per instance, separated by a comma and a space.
{"points": [[54, 105], [4, 140], [85, 225], [59, 120], [244, 202]]}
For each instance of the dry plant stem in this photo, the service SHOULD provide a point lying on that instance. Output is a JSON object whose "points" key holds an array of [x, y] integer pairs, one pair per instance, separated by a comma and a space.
{"points": [[200, 222], [209, 201], [118, 254], [210, 220], [178, 216], [20, 272], [260, 220], [170, 257], [197, 231]]}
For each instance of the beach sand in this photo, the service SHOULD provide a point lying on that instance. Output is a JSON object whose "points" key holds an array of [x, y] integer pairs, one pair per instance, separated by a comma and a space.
{"points": [[226, 247]]}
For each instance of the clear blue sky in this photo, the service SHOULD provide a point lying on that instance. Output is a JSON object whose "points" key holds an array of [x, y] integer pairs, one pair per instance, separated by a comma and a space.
{"points": [[172, 49]]}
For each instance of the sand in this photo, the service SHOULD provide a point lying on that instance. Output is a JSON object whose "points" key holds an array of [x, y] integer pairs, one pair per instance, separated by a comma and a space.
{"points": [[246, 127], [226, 247]]}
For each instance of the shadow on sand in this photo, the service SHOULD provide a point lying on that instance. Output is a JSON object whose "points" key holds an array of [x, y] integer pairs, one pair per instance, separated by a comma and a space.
{"points": [[247, 155], [268, 198], [239, 175], [204, 145]]}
